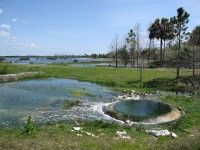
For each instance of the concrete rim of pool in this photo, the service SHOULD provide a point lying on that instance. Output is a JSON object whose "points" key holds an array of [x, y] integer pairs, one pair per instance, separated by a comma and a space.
{"points": [[172, 113]]}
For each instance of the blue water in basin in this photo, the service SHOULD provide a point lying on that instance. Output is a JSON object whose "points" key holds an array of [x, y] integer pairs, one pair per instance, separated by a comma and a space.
{"points": [[141, 108]]}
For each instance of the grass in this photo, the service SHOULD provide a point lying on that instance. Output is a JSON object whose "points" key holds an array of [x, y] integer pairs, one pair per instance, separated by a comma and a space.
{"points": [[116, 78], [80, 93], [60, 136]]}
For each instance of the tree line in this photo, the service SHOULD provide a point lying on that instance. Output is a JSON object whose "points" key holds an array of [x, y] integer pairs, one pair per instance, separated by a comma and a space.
{"points": [[178, 48]]}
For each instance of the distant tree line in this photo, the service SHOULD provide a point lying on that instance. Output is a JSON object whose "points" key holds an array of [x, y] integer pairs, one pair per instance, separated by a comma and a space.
{"points": [[178, 48]]}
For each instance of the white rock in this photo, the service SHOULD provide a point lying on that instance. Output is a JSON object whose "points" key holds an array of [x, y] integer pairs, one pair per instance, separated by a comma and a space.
{"points": [[88, 133], [120, 97], [174, 135], [79, 134], [130, 123], [77, 128], [125, 137], [128, 98], [121, 133], [159, 132]]}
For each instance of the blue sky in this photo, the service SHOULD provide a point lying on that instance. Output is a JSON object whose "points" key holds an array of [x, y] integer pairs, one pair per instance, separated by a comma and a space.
{"points": [[49, 27]]}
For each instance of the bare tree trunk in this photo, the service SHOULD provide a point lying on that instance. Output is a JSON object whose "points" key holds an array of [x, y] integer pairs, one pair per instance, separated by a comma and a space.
{"points": [[163, 59], [178, 57], [149, 52], [116, 50], [154, 52], [141, 68], [138, 42], [193, 68], [161, 55], [132, 56]]}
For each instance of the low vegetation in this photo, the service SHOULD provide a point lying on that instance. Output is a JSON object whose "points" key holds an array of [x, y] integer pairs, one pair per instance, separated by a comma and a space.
{"points": [[81, 93], [59, 135], [68, 104]]}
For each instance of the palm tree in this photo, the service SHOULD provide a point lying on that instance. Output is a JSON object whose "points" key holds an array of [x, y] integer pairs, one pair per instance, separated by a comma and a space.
{"points": [[156, 31]]}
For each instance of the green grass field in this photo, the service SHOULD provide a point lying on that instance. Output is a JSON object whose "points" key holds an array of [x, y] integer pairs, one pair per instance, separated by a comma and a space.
{"points": [[59, 135]]}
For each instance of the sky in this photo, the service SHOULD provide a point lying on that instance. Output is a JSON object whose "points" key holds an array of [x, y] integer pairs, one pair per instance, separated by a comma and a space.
{"points": [[78, 27]]}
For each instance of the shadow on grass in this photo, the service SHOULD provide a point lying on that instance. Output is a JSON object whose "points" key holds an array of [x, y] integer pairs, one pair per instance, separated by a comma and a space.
{"points": [[166, 84]]}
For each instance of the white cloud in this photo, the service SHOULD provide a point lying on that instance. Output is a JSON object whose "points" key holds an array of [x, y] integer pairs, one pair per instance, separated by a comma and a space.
{"points": [[1, 11], [5, 26], [24, 21], [19, 20], [14, 19], [26, 44], [5, 34]]}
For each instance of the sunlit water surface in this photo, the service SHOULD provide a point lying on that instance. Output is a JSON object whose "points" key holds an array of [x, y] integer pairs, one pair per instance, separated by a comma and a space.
{"points": [[42, 99]]}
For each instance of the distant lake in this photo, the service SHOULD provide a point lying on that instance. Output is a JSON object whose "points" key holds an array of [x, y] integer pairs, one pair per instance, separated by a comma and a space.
{"points": [[41, 60]]}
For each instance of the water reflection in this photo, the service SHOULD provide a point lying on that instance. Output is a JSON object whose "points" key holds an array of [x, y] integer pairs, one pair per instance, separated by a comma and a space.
{"points": [[141, 108], [39, 98]]}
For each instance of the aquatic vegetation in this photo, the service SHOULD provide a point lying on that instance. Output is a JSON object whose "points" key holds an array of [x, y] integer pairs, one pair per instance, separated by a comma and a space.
{"points": [[68, 103], [80, 93]]}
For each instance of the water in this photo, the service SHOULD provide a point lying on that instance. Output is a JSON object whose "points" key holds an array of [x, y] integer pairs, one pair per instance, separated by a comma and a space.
{"points": [[48, 61], [42, 99], [141, 108]]}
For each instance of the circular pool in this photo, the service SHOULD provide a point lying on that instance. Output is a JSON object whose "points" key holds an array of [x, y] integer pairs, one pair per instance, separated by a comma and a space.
{"points": [[145, 111], [141, 108]]}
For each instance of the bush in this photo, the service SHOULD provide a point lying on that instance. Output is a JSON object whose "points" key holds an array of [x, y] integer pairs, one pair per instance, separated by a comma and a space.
{"points": [[1, 59], [29, 127], [4, 70]]}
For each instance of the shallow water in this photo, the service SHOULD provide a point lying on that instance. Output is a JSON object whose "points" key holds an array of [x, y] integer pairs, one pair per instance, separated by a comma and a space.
{"points": [[48, 61], [42, 99], [141, 108]]}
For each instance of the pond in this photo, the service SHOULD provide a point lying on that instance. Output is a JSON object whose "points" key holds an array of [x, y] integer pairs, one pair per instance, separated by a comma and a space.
{"points": [[44, 100], [141, 108], [143, 111]]}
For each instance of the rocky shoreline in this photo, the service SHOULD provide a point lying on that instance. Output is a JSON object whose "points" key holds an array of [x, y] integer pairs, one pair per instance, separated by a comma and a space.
{"points": [[17, 76]]}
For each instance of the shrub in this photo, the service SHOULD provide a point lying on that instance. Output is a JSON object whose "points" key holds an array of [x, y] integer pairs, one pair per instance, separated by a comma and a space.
{"points": [[29, 127], [1, 59], [4, 70]]}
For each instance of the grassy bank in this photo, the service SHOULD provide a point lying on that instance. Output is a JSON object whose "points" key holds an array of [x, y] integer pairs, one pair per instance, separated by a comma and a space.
{"points": [[117, 78], [60, 136]]}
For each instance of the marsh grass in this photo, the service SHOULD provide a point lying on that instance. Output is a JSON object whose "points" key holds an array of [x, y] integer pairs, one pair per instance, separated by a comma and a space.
{"points": [[81, 93], [68, 104]]}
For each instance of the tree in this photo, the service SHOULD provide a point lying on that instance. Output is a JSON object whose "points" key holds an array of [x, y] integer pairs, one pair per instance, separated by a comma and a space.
{"points": [[195, 36], [137, 28], [194, 48], [131, 39], [168, 33], [115, 47], [179, 22], [157, 32], [124, 55], [151, 42], [193, 55]]}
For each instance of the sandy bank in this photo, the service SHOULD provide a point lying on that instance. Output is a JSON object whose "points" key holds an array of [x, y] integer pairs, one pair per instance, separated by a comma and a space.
{"points": [[17, 76]]}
